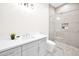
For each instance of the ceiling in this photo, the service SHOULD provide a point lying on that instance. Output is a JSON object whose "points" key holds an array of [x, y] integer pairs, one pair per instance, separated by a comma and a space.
{"points": [[56, 5]]}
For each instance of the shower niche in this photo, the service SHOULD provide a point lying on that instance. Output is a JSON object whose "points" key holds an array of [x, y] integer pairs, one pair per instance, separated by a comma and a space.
{"points": [[64, 26]]}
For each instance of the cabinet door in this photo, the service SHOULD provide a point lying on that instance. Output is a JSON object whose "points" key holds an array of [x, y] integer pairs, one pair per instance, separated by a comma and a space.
{"points": [[12, 52], [33, 51], [42, 47], [30, 49]]}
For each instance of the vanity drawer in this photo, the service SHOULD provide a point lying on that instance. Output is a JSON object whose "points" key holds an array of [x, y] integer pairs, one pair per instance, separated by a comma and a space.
{"points": [[11, 52], [42, 40], [29, 45]]}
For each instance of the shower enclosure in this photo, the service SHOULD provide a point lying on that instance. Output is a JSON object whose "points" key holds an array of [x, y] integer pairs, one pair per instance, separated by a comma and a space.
{"points": [[64, 23]]}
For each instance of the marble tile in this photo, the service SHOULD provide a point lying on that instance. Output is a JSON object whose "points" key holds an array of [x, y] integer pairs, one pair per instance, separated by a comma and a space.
{"points": [[63, 49]]}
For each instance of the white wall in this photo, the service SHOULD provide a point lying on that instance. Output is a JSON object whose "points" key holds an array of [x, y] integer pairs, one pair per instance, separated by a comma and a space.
{"points": [[14, 18]]}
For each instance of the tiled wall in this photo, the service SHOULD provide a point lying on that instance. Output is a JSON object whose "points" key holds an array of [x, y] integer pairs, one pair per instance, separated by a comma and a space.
{"points": [[68, 14], [51, 22]]}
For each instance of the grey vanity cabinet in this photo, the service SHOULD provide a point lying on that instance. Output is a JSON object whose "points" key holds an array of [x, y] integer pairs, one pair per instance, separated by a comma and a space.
{"points": [[34, 48], [42, 47], [11, 52], [30, 49]]}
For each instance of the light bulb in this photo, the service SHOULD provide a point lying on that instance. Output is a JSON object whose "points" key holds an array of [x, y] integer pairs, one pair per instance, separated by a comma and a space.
{"points": [[57, 18]]}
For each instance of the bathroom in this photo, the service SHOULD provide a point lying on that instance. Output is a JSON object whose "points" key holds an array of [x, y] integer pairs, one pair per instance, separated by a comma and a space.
{"points": [[40, 29]]}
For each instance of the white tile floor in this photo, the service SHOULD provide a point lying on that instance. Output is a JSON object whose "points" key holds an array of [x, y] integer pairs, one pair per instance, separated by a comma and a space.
{"points": [[62, 49]]}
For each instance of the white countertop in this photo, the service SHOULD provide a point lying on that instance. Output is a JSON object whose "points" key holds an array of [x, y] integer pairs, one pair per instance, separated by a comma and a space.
{"points": [[7, 43]]}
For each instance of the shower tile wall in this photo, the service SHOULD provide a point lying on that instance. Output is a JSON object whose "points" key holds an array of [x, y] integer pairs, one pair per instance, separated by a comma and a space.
{"points": [[68, 14], [51, 23]]}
